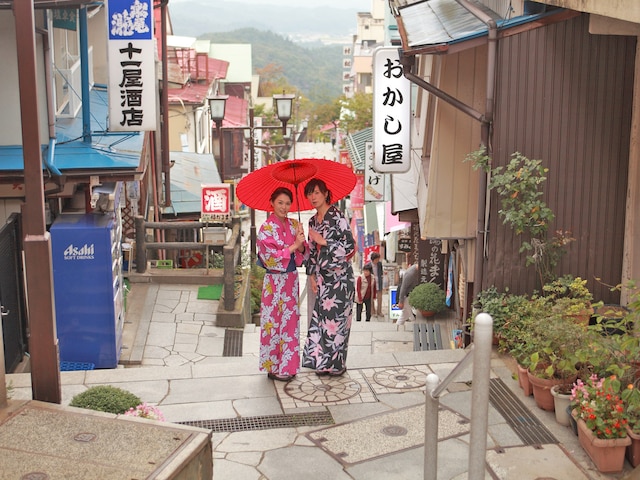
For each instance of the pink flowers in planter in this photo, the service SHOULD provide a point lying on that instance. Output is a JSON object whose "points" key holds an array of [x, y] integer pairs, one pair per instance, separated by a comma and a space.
{"points": [[145, 411], [599, 404]]}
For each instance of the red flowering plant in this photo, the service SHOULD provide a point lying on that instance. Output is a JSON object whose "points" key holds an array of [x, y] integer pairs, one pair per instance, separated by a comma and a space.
{"points": [[599, 404]]}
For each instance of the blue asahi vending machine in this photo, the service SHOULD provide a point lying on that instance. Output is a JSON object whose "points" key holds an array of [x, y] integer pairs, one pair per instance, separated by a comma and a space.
{"points": [[88, 284]]}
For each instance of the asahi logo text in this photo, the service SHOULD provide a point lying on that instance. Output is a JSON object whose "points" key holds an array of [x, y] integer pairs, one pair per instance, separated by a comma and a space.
{"points": [[86, 252]]}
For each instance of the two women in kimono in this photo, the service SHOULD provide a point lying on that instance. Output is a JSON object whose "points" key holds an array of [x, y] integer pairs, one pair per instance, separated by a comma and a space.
{"points": [[282, 248]]}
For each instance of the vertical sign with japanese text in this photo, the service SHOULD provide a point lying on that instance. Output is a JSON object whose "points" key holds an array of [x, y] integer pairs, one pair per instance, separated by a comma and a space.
{"points": [[391, 113], [132, 70], [373, 181]]}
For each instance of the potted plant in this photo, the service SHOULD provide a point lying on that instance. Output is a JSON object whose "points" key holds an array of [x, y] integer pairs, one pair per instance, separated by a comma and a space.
{"points": [[570, 297], [553, 362], [631, 399], [516, 334], [561, 401], [494, 303], [428, 298], [602, 422]]}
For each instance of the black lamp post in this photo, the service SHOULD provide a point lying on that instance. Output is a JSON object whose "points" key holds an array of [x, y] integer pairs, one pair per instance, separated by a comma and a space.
{"points": [[284, 104], [217, 105]]}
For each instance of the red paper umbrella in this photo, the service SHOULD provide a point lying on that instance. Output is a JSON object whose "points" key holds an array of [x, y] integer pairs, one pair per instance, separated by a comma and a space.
{"points": [[255, 189]]}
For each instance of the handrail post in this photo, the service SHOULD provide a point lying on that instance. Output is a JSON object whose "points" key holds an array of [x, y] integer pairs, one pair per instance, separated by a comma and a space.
{"points": [[483, 334], [431, 407], [141, 248]]}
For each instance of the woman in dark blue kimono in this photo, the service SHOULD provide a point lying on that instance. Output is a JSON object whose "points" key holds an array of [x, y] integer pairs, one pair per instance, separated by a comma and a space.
{"points": [[331, 247]]}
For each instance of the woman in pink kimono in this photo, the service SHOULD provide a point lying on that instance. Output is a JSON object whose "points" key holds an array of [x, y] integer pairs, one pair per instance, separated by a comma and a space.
{"points": [[281, 248]]}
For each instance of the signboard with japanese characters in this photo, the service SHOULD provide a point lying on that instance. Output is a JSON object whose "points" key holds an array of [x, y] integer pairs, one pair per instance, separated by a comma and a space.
{"points": [[357, 194], [373, 181], [391, 113], [65, 18], [215, 202], [132, 70]]}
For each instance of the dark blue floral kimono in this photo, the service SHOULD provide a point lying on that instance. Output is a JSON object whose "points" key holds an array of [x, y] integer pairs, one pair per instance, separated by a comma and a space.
{"points": [[326, 346]]}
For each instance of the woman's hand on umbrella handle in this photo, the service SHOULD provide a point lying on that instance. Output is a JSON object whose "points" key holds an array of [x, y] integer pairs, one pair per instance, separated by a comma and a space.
{"points": [[300, 239]]}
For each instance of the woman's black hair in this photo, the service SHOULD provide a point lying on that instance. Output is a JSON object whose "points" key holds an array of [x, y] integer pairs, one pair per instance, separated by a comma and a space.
{"points": [[316, 182], [279, 191]]}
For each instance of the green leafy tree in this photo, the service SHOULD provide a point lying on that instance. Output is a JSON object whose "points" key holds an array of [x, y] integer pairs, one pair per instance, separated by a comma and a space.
{"points": [[356, 112], [520, 187]]}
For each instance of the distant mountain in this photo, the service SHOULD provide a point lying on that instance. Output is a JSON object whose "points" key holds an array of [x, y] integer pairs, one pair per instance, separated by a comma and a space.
{"points": [[302, 22], [315, 70]]}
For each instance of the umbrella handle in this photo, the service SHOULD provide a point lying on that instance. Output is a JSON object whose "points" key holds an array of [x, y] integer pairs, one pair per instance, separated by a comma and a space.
{"points": [[295, 183]]}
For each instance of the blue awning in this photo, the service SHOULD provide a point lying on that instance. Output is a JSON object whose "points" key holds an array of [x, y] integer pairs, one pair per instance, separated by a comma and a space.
{"points": [[107, 151]]}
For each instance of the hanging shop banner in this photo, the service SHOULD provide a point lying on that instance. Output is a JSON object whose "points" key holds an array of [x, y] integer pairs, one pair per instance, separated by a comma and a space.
{"points": [[373, 181], [357, 194], [345, 159], [391, 113], [132, 71], [216, 202]]}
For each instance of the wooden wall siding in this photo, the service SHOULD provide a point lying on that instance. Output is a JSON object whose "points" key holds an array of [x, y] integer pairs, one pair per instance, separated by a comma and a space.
{"points": [[565, 97]]}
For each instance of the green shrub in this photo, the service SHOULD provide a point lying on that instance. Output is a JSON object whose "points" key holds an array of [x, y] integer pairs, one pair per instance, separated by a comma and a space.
{"points": [[257, 279], [105, 398], [428, 297]]}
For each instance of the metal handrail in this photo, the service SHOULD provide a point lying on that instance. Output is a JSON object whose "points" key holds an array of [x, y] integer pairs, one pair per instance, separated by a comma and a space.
{"points": [[480, 353]]}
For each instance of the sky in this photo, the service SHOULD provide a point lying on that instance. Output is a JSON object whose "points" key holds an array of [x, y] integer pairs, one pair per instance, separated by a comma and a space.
{"points": [[360, 5]]}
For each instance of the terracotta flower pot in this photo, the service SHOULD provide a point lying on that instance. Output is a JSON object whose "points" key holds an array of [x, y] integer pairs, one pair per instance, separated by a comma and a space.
{"points": [[523, 380], [607, 454], [542, 390], [633, 450]]}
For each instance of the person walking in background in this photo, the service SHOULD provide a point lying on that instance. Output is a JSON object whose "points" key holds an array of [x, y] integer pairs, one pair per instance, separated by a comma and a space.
{"points": [[331, 247], [365, 292], [376, 264], [408, 281], [281, 248]]}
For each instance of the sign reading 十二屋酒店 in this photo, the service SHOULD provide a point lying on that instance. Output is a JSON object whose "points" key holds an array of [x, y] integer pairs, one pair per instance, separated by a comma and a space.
{"points": [[132, 70]]}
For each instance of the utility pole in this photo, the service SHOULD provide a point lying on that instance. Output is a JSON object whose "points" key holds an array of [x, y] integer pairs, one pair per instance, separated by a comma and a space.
{"points": [[43, 341]]}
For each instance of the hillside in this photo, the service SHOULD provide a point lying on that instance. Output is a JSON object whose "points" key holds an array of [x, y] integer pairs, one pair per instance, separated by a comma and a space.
{"points": [[334, 20], [315, 69]]}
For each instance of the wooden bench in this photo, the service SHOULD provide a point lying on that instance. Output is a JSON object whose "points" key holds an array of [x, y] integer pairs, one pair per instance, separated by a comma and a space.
{"points": [[426, 336]]}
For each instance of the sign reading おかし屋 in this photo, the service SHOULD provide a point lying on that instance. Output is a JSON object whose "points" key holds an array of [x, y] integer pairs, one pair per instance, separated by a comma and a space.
{"points": [[391, 113]]}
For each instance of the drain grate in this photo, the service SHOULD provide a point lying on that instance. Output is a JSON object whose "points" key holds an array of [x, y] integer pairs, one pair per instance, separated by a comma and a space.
{"points": [[310, 419], [523, 422], [232, 343]]}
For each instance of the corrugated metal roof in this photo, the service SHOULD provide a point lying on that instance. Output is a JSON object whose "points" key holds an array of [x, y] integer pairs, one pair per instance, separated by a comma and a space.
{"points": [[189, 172], [430, 23], [439, 21], [356, 146], [236, 109], [190, 93]]}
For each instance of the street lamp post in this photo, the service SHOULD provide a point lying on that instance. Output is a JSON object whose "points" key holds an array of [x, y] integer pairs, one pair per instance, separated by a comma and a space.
{"points": [[217, 106], [283, 106]]}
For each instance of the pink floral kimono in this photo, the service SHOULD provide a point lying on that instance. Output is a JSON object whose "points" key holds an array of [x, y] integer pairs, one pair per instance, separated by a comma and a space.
{"points": [[279, 312]]}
